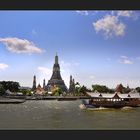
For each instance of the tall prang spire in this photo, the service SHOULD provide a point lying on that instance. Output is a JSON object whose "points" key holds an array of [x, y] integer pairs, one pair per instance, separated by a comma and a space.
{"points": [[56, 59], [34, 83], [56, 78], [56, 67]]}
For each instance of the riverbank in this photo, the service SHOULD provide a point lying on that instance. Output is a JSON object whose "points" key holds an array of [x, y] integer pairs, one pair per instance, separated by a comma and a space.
{"points": [[41, 97]]}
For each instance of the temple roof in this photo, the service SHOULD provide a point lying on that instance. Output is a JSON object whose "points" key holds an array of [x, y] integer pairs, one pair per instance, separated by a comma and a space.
{"points": [[119, 88]]}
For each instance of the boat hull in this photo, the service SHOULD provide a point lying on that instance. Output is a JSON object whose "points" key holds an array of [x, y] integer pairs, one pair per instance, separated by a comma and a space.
{"points": [[108, 104], [11, 101]]}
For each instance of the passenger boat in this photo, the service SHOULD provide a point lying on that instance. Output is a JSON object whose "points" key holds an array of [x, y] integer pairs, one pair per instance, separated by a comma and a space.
{"points": [[116, 100]]}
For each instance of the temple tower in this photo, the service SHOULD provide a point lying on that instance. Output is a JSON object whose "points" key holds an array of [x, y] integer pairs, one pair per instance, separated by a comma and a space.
{"points": [[73, 82], [34, 83], [44, 84], [71, 85], [56, 79]]}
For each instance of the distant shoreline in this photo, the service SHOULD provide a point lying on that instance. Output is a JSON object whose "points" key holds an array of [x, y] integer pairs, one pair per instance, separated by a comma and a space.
{"points": [[40, 97]]}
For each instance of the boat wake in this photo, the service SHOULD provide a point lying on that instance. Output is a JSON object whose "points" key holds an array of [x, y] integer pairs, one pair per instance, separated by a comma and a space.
{"points": [[90, 107], [126, 108], [82, 106]]}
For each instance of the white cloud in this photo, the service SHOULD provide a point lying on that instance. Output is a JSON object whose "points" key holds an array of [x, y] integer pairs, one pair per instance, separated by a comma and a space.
{"points": [[125, 13], [17, 45], [82, 12], [124, 57], [66, 70], [125, 60], [3, 66], [109, 26], [45, 70]]}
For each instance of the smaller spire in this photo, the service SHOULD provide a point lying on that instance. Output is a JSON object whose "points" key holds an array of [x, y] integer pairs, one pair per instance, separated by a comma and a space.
{"points": [[34, 83], [44, 83], [70, 77], [73, 81]]}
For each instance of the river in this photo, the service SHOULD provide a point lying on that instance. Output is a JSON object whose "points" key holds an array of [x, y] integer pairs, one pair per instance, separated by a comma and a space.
{"points": [[65, 115]]}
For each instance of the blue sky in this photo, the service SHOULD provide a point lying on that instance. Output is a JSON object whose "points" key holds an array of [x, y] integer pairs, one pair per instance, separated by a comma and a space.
{"points": [[95, 47]]}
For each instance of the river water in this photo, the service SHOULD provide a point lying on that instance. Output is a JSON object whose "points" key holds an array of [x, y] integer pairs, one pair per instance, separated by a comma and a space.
{"points": [[65, 115]]}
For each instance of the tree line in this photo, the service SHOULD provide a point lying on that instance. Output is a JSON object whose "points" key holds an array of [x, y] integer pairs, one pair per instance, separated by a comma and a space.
{"points": [[79, 90], [9, 85]]}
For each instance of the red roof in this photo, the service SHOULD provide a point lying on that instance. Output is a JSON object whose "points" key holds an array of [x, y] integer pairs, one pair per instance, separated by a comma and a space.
{"points": [[119, 88]]}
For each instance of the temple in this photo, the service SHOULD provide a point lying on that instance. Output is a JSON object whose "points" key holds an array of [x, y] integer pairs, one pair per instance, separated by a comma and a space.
{"points": [[34, 83], [71, 85], [56, 79]]}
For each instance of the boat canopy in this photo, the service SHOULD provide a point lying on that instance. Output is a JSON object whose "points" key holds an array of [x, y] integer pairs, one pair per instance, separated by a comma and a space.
{"points": [[113, 95]]}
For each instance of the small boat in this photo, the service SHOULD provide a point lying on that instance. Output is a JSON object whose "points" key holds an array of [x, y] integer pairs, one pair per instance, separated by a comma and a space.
{"points": [[11, 101]]}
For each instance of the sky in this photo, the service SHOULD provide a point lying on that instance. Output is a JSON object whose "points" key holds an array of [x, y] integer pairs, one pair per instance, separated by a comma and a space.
{"points": [[95, 47]]}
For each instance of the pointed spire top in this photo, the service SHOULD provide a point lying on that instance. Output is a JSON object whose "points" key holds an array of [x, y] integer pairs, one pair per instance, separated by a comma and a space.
{"points": [[127, 85], [56, 59], [39, 85]]}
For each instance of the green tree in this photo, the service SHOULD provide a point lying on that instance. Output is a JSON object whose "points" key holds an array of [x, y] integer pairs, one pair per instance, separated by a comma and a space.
{"points": [[26, 92], [111, 90], [2, 90], [57, 91], [100, 88], [46, 93], [82, 90], [29, 93], [126, 90], [11, 85], [138, 89]]}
